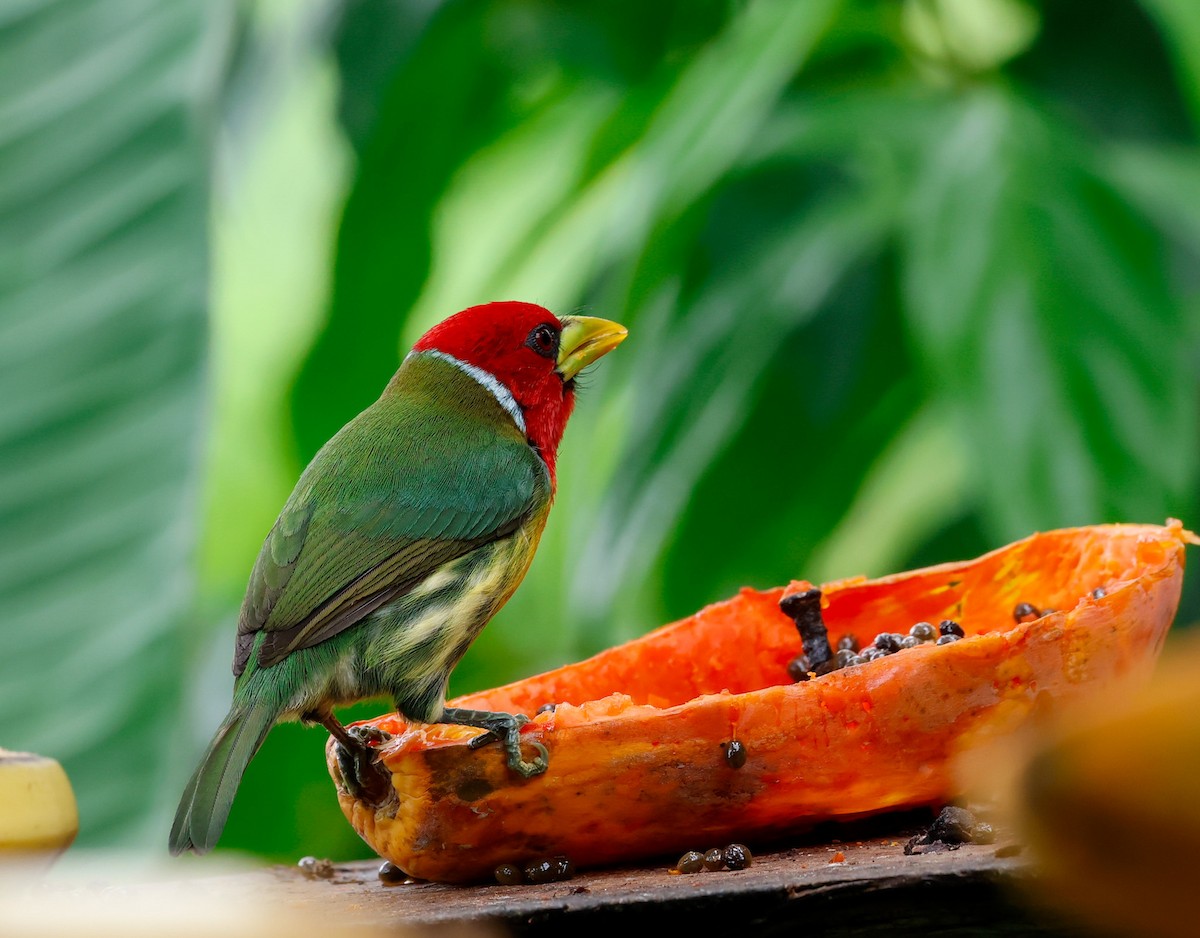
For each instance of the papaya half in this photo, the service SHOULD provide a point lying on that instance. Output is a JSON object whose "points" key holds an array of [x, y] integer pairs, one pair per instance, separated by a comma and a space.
{"points": [[639, 738]]}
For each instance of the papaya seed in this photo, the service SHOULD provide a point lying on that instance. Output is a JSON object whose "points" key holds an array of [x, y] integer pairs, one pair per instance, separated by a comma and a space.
{"points": [[391, 875], [691, 862], [714, 859], [950, 627], [1026, 612], [923, 632], [509, 874], [737, 856]]}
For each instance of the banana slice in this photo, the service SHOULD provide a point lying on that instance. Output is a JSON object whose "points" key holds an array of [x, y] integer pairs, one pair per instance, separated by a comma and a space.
{"points": [[37, 806]]}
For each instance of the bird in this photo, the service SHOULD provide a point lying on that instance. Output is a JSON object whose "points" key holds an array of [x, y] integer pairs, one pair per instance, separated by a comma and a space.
{"points": [[411, 527]]}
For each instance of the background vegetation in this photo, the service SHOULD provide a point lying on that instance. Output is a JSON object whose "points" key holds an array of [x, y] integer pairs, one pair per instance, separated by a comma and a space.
{"points": [[905, 281]]}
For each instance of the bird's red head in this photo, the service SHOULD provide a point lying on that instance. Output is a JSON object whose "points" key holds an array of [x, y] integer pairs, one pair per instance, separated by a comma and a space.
{"points": [[532, 353]]}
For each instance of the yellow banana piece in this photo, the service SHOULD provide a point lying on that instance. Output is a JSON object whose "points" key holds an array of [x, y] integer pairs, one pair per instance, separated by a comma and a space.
{"points": [[37, 806]]}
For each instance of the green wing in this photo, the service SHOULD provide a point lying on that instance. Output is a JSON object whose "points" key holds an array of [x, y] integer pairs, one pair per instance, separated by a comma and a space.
{"points": [[404, 488]]}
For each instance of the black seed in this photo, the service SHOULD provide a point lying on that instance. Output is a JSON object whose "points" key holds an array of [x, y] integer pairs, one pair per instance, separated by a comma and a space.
{"points": [[1047, 612], [508, 874], [563, 867], [843, 657], [1099, 592], [887, 643], [948, 639], [909, 641], [849, 642], [735, 753], [923, 631], [738, 856], [316, 869], [691, 862], [857, 659], [546, 708], [798, 669], [1008, 850], [1026, 612], [390, 874], [540, 872], [714, 859], [950, 627]]}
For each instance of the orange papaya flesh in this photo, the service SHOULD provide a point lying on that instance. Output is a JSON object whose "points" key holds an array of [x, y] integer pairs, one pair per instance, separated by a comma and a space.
{"points": [[637, 763]]}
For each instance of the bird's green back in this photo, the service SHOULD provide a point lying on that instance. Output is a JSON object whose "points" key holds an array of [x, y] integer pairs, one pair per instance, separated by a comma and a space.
{"points": [[433, 469]]}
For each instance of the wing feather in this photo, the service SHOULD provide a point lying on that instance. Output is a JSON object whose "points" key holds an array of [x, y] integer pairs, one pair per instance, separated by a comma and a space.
{"points": [[403, 489]]}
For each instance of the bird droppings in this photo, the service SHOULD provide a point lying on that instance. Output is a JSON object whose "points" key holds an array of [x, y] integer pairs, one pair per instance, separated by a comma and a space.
{"points": [[805, 610], [735, 753], [952, 828], [312, 868]]}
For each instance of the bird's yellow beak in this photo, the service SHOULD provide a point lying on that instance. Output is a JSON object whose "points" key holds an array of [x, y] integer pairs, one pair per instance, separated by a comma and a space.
{"points": [[584, 339]]}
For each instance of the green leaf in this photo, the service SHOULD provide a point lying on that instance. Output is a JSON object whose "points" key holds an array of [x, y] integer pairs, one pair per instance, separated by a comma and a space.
{"points": [[415, 145], [103, 192], [1044, 310], [1179, 21]]}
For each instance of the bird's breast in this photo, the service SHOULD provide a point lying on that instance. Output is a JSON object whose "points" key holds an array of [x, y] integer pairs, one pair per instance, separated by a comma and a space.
{"points": [[424, 633]]}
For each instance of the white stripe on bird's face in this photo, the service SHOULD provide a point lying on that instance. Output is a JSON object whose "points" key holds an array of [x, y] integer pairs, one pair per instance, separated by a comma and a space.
{"points": [[488, 380]]}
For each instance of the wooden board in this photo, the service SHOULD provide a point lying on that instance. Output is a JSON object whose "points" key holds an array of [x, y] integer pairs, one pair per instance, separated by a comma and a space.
{"points": [[876, 890]]}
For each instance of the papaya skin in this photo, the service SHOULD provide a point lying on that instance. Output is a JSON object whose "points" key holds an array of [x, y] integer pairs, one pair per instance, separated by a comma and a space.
{"points": [[637, 765]]}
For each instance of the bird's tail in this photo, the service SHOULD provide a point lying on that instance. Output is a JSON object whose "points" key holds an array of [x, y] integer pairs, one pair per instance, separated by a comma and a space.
{"points": [[208, 797]]}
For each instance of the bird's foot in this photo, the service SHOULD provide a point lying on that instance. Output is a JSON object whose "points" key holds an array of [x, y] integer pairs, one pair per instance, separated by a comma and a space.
{"points": [[363, 776], [505, 728]]}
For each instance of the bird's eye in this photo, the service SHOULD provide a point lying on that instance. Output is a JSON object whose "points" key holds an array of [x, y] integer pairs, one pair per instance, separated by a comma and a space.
{"points": [[543, 339]]}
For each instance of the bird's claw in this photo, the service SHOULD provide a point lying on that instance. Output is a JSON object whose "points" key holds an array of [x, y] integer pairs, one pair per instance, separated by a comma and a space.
{"points": [[492, 736], [363, 776], [504, 728], [540, 763]]}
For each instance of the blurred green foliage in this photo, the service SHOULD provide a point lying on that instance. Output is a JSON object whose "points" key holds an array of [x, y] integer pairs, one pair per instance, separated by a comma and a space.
{"points": [[904, 280]]}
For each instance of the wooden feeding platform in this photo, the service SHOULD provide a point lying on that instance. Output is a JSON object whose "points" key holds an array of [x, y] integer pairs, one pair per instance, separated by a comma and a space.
{"points": [[831, 887]]}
